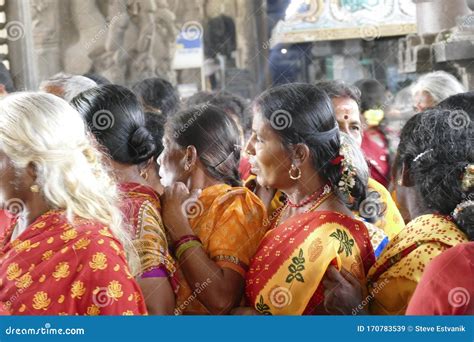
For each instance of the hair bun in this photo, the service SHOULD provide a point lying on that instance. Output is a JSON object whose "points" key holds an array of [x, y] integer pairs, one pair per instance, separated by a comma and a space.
{"points": [[141, 144]]}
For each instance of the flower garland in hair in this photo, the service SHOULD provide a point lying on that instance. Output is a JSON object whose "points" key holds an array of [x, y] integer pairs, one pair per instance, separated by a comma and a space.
{"points": [[348, 172], [467, 182]]}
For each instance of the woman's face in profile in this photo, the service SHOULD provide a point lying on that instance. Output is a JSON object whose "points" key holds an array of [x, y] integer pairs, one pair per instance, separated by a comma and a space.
{"points": [[269, 159], [171, 162], [423, 101]]}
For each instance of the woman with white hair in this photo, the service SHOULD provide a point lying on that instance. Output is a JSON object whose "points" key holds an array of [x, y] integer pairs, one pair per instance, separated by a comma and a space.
{"points": [[64, 252], [66, 86], [434, 87]]}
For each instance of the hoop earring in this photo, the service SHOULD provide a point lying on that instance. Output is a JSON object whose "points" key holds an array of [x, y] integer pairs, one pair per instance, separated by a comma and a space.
{"points": [[144, 174], [297, 169]]}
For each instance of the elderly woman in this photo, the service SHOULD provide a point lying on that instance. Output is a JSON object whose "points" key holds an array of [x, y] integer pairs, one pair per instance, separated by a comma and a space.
{"points": [[67, 86], [434, 87], [116, 119], [296, 147], [435, 172], [215, 223], [64, 252]]}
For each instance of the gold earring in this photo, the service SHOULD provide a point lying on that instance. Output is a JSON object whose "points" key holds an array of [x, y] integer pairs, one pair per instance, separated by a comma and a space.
{"points": [[34, 188], [294, 168], [144, 174], [186, 167]]}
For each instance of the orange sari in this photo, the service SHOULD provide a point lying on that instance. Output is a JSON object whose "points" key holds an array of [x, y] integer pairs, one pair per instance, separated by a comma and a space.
{"points": [[285, 275], [230, 223], [141, 208], [60, 268]]}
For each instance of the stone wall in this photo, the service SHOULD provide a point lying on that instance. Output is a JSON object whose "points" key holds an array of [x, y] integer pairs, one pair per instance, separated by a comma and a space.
{"points": [[128, 40]]}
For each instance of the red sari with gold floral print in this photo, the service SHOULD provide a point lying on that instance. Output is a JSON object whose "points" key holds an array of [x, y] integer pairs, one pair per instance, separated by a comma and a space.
{"points": [[5, 221], [286, 272], [55, 267], [141, 208]]}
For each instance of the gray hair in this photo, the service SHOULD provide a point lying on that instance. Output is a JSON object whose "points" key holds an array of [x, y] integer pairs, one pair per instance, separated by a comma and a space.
{"points": [[439, 84], [67, 86]]}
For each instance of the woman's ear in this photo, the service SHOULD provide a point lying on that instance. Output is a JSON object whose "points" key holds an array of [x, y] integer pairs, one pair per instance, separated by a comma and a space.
{"points": [[149, 164], [301, 154], [406, 179], [190, 158], [31, 173]]}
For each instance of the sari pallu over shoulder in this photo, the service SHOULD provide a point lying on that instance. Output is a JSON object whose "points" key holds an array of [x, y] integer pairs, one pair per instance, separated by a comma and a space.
{"points": [[285, 275]]}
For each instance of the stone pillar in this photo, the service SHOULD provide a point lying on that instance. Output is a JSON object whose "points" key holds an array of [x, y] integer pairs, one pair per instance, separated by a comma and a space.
{"points": [[46, 33], [253, 41], [433, 16], [21, 52]]}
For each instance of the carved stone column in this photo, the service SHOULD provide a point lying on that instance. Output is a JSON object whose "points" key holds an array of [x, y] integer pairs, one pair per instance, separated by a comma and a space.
{"points": [[46, 34], [21, 52]]}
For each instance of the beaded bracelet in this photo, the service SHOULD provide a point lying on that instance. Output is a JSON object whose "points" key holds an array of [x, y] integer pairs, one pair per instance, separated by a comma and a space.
{"points": [[185, 246]]}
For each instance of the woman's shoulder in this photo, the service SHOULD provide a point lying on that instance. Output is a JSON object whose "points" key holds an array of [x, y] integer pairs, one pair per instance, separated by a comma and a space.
{"points": [[224, 196], [139, 193], [432, 227], [328, 217]]}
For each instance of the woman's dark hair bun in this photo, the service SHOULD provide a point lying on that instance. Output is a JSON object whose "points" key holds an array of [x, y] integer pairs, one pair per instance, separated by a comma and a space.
{"points": [[141, 145]]}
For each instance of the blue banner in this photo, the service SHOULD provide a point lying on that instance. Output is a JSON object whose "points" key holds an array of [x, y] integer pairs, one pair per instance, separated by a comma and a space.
{"points": [[237, 328]]}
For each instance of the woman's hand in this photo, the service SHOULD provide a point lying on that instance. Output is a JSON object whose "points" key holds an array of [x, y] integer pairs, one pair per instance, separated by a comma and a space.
{"points": [[343, 293], [177, 204]]}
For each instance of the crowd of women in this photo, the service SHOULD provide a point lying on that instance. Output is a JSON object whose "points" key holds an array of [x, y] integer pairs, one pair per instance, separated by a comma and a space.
{"points": [[120, 201]]}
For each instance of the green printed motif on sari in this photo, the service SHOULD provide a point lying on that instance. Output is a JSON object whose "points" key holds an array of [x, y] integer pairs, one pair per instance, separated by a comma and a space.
{"points": [[345, 244], [296, 267]]}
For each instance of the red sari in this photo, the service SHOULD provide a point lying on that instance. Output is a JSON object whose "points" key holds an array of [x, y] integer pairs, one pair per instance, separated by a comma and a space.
{"points": [[55, 267], [375, 147], [5, 221], [447, 285], [141, 209], [286, 272]]}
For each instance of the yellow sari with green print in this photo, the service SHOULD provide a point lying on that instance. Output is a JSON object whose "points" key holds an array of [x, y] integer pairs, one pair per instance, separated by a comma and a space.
{"points": [[284, 276]]}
